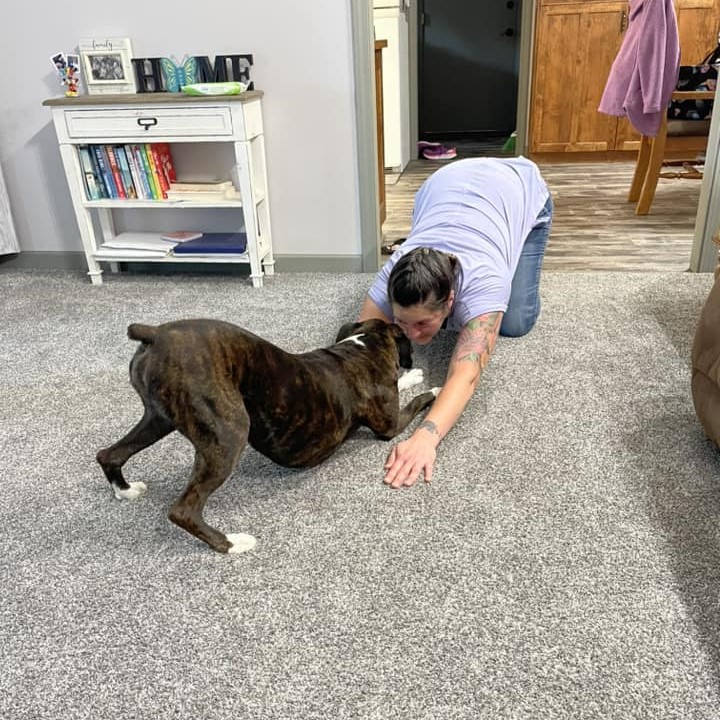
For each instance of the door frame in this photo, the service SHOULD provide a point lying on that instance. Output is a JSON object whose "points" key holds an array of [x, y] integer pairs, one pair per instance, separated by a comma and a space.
{"points": [[366, 140], [704, 253]]}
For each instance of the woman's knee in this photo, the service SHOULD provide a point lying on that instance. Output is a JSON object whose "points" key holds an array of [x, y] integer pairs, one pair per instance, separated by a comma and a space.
{"points": [[518, 324]]}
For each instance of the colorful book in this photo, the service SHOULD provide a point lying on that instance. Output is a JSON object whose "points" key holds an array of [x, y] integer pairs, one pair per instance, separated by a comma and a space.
{"points": [[153, 171], [148, 172], [234, 243], [159, 169], [143, 171], [92, 188], [137, 182], [166, 161], [124, 166], [115, 169], [106, 173]]}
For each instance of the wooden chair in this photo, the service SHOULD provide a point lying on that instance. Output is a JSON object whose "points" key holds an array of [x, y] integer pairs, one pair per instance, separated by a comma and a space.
{"points": [[676, 140]]}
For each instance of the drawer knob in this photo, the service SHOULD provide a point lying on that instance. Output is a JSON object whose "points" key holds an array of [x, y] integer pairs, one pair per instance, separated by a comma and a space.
{"points": [[146, 122]]}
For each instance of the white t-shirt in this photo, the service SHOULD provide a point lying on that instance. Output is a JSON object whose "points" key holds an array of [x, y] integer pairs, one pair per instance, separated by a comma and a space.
{"points": [[481, 210]]}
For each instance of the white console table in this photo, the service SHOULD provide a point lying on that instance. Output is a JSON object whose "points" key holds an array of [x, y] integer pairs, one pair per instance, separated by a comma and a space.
{"points": [[224, 130]]}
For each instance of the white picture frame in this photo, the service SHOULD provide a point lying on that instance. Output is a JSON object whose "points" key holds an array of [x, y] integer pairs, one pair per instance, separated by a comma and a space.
{"points": [[107, 66]]}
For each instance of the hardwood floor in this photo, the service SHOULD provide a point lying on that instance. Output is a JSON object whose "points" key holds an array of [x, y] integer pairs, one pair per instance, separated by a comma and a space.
{"points": [[594, 227]]}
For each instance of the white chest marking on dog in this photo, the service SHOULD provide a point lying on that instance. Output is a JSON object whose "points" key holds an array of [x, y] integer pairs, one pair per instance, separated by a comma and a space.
{"points": [[410, 378], [355, 339], [241, 542]]}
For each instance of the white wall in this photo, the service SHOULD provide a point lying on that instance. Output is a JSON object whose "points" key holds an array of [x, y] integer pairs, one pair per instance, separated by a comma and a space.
{"points": [[303, 63]]}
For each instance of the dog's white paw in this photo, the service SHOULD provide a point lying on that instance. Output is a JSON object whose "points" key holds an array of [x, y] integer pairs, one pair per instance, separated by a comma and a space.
{"points": [[135, 491], [436, 390], [411, 378], [241, 542]]}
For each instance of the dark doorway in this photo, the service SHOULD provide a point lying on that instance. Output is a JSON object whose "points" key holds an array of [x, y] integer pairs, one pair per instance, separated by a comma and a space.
{"points": [[468, 68]]}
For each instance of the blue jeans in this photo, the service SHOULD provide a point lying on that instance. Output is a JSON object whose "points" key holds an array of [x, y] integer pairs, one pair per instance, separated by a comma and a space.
{"points": [[524, 305]]}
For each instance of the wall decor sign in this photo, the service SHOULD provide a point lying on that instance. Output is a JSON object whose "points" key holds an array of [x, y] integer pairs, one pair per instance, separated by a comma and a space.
{"points": [[166, 75], [107, 65]]}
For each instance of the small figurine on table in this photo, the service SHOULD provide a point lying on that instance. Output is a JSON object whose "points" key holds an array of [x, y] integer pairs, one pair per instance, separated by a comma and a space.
{"points": [[72, 75], [68, 68]]}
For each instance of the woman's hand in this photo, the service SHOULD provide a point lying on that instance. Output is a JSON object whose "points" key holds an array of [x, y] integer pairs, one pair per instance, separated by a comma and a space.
{"points": [[411, 458], [416, 455]]}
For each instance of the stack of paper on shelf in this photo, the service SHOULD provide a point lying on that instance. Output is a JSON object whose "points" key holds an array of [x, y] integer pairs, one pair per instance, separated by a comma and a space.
{"points": [[135, 245], [203, 191], [232, 243]]}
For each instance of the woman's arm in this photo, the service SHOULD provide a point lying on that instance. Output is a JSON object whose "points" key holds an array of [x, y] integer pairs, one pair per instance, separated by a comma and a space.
{"points": [[370, 310], [410, 458]]}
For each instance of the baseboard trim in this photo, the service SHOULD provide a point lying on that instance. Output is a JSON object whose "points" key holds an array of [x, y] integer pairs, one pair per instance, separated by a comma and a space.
{"points": [[44, 260], [69, 260]]}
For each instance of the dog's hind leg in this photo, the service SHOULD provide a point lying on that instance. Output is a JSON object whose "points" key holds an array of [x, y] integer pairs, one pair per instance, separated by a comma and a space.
{"points": [[391, 423], [218, 446], [149, 430]]}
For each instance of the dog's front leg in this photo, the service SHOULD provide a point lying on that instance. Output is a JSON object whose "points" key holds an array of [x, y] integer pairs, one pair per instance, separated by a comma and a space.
{"points": [[390, 423]]}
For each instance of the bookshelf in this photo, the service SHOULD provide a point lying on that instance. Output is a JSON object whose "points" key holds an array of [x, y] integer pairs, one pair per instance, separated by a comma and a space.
{"points": [[218, 135]]}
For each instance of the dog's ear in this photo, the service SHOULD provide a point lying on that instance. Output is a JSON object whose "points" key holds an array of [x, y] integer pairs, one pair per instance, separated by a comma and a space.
{"points": [[347, 330], [404, 346]]}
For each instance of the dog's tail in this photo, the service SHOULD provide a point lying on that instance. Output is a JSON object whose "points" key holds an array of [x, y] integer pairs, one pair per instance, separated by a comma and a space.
{"points": [[143, 333]]}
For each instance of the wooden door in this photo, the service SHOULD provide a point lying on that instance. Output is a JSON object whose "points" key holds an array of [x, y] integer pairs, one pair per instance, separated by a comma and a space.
{"points": [[575, 45]]}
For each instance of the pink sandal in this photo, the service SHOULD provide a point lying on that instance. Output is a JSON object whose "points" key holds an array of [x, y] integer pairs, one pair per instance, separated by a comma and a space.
{"points": [[439, 153]]}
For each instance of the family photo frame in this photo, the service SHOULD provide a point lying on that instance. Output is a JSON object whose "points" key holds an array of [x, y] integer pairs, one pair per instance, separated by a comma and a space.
{"points": [[107, 65]]}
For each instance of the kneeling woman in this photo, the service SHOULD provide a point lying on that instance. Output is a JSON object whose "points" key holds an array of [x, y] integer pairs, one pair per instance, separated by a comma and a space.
{"points": [[471, 263]]}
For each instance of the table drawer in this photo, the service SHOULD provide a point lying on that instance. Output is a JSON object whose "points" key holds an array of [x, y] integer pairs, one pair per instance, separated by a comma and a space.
{"points": [[149, 122]]}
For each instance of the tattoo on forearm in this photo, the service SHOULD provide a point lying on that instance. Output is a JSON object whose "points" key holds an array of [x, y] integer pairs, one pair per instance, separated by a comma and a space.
{"points": [[477, 339], [430, 426]]}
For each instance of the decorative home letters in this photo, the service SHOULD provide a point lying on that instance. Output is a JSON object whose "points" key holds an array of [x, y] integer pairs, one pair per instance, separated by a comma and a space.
{"points": [[148, 74], [150, 77], [238, 65]]}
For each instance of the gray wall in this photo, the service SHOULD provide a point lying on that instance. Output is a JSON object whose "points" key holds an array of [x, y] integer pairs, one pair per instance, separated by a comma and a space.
{"points": [[303, 62]]}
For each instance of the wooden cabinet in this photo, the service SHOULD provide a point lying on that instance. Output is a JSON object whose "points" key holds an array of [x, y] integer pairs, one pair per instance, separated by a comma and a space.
{"points": [[575, 46], [698, 26]]}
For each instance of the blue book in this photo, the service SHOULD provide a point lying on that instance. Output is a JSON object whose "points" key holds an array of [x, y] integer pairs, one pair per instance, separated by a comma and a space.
{"points": [[98, 174], [234, 243], [125, 171], [105, 172], [92, 184], [102, 171]]}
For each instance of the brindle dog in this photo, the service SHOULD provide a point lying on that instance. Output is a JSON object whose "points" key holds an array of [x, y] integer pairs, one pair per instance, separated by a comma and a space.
{"points": [[223, 387]]}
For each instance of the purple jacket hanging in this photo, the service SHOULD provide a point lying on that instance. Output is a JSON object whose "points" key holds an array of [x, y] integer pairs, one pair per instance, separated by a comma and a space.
{"points": [[645, 72]]}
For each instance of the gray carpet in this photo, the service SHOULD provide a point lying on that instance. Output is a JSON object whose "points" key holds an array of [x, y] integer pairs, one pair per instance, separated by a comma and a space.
{"points": [[564, 563]]}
